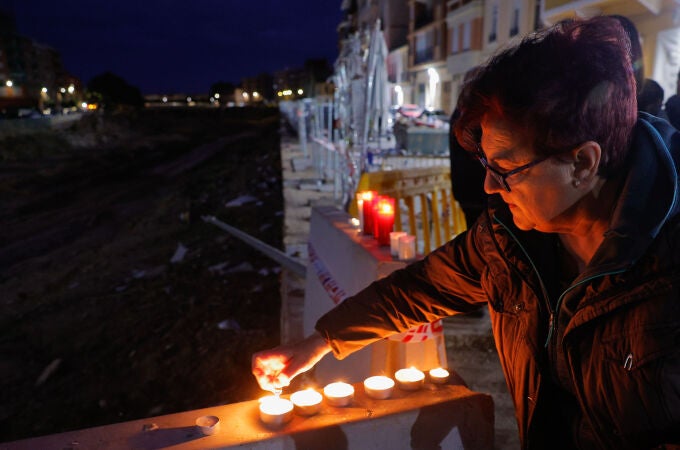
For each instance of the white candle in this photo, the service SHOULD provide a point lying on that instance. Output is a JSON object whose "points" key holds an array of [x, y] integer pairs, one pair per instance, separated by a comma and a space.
{"points": [[410, 379], [339, 394], [379, 387], [275, 411], [394, 242], [439, 375], [407, 247], [208, 424], [307, 402]]}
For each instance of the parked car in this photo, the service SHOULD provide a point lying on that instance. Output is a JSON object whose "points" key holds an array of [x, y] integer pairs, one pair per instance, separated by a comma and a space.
{"points": [[433, 118], [410, 111], [435, 114]]}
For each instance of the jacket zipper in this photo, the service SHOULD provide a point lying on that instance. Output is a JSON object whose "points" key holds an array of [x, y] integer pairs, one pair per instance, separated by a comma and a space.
{"points": [[546, 299], [552, 321], [553, 317]]}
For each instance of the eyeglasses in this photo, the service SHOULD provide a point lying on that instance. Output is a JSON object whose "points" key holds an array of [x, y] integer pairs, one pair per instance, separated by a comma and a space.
{"points": [[502, 177]]}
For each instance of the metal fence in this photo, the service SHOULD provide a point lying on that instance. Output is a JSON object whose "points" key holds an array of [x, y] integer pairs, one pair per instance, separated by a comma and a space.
{"points": [[335, 160]]}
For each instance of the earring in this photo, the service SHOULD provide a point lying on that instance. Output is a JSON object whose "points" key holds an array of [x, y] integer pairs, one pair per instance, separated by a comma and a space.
{"points": [[577, 182]]}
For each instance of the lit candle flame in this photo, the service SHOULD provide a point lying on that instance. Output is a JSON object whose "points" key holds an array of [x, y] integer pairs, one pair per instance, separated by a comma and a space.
{"points": [[385, 208], [338, 389], [273, 405], [439, 372], [307, 397], [366, 196], [410, 374], [379, 382]]}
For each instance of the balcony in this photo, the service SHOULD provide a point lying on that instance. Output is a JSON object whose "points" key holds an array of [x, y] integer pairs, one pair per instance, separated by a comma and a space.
{"points": [[423, 56]]}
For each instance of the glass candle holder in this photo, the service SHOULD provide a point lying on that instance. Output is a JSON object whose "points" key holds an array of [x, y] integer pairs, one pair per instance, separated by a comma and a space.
{"points": [[407, 248], [365, 201], [394, 242], [384, 219]]}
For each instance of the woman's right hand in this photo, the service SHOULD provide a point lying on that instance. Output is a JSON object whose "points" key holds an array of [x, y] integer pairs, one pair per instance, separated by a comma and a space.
{"points": [[274, 368]]}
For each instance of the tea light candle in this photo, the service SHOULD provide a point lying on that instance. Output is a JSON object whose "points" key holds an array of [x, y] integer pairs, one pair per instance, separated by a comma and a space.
{"points": [[384, 220], [394, 242], [339, 394], [407, 247], [360, 208], [410, 379], [307, 402], [275, 411], [439, 375], [208, 425], [379, 387]]}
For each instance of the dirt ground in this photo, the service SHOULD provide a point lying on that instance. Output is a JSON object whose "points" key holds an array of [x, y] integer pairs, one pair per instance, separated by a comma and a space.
{"points": [[117, 301]]}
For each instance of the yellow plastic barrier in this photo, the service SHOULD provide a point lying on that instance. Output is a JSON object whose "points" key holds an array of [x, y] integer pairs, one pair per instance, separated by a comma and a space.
{"points": [[424, 198]]}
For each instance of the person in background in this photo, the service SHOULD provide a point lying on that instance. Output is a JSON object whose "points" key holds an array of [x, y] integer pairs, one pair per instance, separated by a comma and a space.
{"points": [[672, 110], [672, 107], [650, 98], [577, 256], [467, 175]]}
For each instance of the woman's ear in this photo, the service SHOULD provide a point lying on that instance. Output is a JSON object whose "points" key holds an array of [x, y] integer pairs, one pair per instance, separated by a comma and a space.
{"points": [[586, 162]]}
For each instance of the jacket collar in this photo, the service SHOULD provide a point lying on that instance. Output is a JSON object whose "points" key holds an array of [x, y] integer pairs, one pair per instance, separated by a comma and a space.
{"points": [[648, 198]]}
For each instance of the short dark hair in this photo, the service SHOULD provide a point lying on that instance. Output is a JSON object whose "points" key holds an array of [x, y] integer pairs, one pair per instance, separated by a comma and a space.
{"points": [[635, 49], [559, 88]]}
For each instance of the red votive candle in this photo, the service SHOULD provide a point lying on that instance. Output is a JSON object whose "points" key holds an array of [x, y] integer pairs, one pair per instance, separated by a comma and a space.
{"points": [[384, 220], [365, 201]]}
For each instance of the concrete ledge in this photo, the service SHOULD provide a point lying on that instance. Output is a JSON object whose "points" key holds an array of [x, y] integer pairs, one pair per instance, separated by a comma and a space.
{"points": [[438, 416]]}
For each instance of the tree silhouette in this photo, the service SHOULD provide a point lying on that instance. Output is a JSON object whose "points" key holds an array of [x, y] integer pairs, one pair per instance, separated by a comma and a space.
{"points": [[114, 91]]}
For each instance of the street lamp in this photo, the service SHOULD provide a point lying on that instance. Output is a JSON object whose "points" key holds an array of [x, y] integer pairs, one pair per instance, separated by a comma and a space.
{"points": [[9, 83], [434, 79], [400, 94]]}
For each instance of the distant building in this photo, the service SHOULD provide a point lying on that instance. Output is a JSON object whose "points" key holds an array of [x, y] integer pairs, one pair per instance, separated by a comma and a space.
{"points": [[308, 81], [433, 43], [31, 74], [256, 90]]}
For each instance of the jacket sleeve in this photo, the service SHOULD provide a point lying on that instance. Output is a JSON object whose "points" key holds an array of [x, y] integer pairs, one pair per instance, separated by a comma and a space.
{"points": [[445, 283]]}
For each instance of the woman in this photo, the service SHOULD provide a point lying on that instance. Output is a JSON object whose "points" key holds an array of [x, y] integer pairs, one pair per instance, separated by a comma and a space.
{"points": [[577, 255]]}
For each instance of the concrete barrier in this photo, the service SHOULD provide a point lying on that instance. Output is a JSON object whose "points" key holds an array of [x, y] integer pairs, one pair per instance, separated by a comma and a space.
{"points": [[437, 416], [342, 261]]}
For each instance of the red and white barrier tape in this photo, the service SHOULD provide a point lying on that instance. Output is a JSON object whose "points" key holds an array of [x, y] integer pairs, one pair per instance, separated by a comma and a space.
{"points": [[337, 295]]}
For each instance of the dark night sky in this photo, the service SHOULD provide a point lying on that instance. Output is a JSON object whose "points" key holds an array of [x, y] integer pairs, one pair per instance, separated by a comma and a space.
{"points": [[181, 46]]}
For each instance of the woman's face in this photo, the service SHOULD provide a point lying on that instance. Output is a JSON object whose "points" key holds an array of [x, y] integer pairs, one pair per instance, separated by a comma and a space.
{"points": [[541, 197]]}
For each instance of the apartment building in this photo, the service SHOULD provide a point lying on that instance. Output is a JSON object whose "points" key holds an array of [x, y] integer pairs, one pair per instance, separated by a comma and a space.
{"points": [[433, 43], [657, 21], [31, 74]]}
